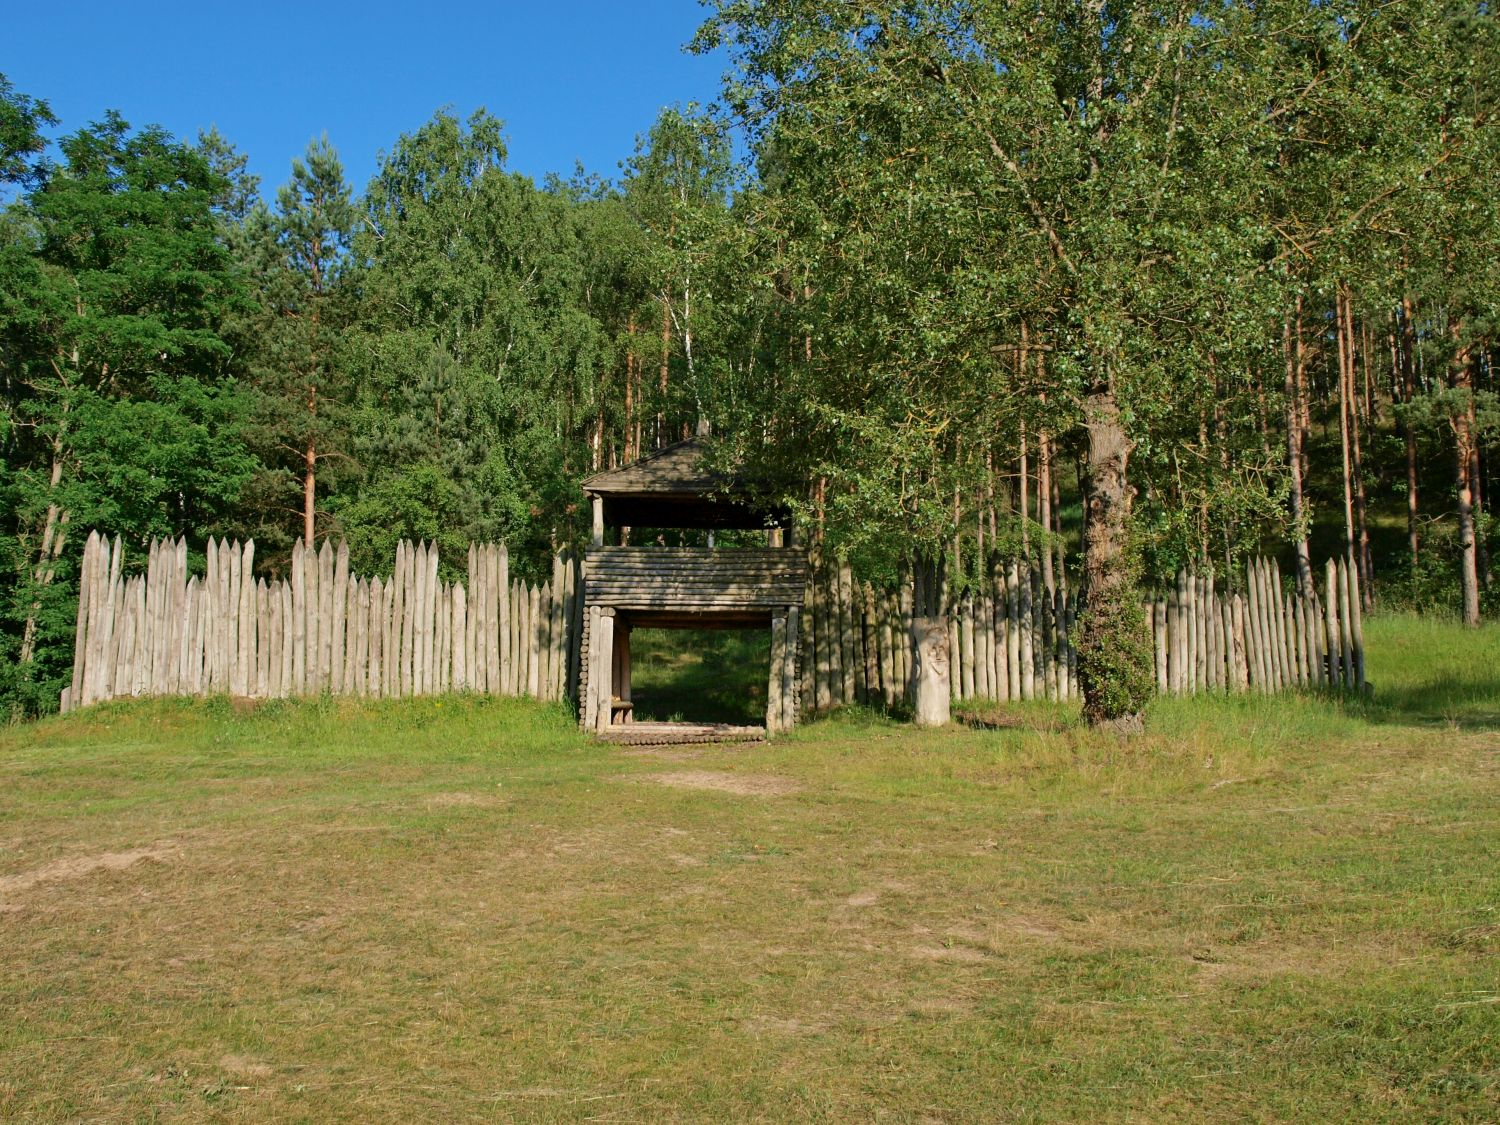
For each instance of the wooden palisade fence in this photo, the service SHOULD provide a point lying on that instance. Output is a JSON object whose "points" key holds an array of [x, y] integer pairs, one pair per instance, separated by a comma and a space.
{"points": [[320, 629], [1007, 640], [1010, 639]]}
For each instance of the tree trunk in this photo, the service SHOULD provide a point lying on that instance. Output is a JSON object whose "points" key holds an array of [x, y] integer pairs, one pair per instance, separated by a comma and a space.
{"points": [[1344, 407], [1044, 505], [1361, 520], [1477, 489], [1058, 543], [1354, 483], [1023, 490], [1114, 655], [629, 454], [666, 356], [1407, 351], [309, 495], [1293, 348], [1463, 434]]}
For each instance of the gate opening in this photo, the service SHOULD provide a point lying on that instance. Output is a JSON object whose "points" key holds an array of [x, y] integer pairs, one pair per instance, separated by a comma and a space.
{"points": [[700, 675]]}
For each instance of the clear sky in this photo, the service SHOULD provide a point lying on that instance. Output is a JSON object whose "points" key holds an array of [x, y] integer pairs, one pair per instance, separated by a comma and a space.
{"points": [[573, 80]]}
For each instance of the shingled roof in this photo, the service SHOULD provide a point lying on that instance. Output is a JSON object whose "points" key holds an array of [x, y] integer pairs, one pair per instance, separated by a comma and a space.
{"points": [[675, 470], [674, 487]]}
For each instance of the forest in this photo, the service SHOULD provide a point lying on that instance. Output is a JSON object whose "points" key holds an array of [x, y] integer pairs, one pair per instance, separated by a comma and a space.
{"points": [[1118, 285]]}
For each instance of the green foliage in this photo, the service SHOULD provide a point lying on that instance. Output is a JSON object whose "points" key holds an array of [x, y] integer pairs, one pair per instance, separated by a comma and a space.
{"points": [[300, 380], [700, 675], [1430, 586], [120, 407], [21, 143], [423, 501], [474, 351], [1115, 659]]}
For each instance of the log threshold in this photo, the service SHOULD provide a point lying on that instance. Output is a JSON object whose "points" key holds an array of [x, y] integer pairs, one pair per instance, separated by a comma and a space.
{"points": [[664, 734]]}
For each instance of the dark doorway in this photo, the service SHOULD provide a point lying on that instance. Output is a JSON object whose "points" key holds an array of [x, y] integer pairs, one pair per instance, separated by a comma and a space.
{"points": [[700, 675]]}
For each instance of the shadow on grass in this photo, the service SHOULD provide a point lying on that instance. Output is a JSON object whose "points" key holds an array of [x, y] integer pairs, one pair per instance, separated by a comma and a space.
{"points": [[1037, 717], [1468, 702], [1431, 671]]}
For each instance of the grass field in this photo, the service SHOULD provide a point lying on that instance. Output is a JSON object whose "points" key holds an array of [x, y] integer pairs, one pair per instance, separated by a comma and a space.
{"points": [[457, 909]]}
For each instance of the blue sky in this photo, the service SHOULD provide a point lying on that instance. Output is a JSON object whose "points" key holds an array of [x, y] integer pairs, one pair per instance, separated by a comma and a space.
{"points": [[571, 80]]}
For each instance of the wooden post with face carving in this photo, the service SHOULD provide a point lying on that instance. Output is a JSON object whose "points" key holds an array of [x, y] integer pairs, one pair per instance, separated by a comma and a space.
{"points": [[934, 699], [931, 647]]}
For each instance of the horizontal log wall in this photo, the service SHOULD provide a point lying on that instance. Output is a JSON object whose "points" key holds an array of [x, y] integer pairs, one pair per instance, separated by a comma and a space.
{"points": [[1011, 638], [694, 578], [320, 629]]}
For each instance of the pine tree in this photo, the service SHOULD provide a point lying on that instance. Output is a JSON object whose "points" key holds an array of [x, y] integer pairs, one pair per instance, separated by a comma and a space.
{"points": [[300, 380]]}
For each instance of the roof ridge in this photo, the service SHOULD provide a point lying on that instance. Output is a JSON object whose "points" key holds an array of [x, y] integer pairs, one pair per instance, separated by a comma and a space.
{"points": [[644, 463]]}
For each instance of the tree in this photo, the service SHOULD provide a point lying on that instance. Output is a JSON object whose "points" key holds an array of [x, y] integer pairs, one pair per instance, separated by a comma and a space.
{"points": [[21, 142], [677, 187], [951, 173], [482, 349], [120, 412], [1456, 253], [300, 382]]}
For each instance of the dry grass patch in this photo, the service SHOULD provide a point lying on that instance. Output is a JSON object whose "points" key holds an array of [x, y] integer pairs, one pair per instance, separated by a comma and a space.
{"points": [[740, 784], [81, 866]]}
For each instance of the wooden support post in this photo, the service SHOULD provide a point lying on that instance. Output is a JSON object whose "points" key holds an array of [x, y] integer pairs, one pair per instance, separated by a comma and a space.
{"points": [[374, 674], [462, 638], [1239, 669], [826, 641], [806, 654], [869, 642], [603, 648], [849, 662], [1028, 627], [963, 671], [501, 597], [590, 708], [1346, 630], [984, 635], [534, 642], [337, 661], [885, 607], [789, 669], [574, 610], [1254, 648], [1356, 629], [774, 686], [325, 615]]}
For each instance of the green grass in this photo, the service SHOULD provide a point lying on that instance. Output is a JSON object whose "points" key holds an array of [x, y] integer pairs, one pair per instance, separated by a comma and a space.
{"points": [[458, 909]]}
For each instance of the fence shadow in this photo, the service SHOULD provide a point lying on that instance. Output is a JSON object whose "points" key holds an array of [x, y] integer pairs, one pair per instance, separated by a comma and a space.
{"points": [[1469, 701]]}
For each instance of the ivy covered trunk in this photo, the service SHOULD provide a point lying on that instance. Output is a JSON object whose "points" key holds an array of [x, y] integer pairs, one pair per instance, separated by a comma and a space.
{"points": [[1114, 655]]}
